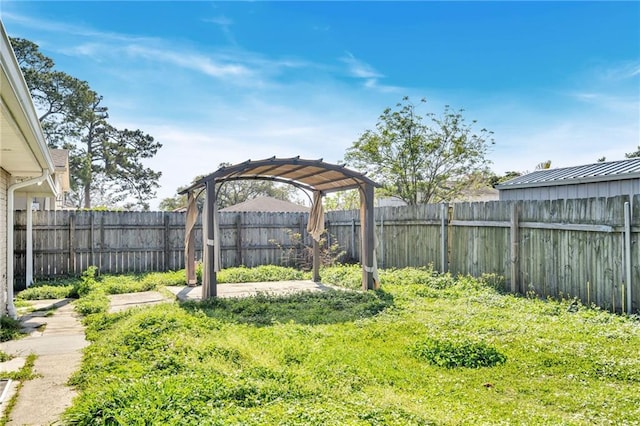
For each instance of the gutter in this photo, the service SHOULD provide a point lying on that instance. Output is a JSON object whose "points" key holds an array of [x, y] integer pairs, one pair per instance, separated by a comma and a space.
{"points": [[10, 308]]}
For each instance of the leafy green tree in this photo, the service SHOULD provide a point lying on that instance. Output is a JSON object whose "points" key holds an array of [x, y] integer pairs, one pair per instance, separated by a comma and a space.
{"points": [[494, 179], [545, 165], [421, 162], [233, 192], [342, 200], [73, 117], [238, 191], [634, 154], [58, 97], [179, 201], [176, 202]]}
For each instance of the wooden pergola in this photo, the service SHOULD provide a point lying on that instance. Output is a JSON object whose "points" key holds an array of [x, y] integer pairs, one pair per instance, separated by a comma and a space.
{"points": [[315, 176]]}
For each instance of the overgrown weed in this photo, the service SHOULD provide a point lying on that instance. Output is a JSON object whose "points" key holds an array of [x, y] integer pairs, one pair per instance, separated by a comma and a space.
{"points": [[303, 360]]}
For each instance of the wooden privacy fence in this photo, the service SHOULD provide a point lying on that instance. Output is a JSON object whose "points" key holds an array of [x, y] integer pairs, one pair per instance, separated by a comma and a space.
{"points": [[67, 242], [580, 248]]}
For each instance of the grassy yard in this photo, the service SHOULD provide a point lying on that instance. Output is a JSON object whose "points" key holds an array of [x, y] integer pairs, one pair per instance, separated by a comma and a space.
{"points": [[426, 349]]}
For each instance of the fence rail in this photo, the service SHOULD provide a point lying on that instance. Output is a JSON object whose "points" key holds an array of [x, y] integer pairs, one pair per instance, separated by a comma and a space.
{"points": [[580, 248], [66, 242]]}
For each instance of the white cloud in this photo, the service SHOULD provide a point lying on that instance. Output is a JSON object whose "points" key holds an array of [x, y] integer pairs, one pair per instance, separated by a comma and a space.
{"points": [[221, 21], [361, 70], [620, 72], [60, 29], [196, 62], [224, 23]]}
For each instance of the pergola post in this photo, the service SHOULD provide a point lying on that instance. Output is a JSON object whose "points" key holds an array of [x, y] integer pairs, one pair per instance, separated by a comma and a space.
{"points": [[316, 261], [190, 239], [367, 232], [209, 273]]}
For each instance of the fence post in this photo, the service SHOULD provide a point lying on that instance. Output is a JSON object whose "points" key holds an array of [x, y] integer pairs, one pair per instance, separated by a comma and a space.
{"points": [[353, 239], [91, 223], [515, 246], [444, 238], [167, 248], [381, 242], [72, 244], [101, 244], [627, 253], [238, 239]]}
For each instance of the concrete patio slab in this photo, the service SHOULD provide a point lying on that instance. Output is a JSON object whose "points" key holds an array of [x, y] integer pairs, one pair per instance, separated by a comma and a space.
{"points": [[250, 289]]}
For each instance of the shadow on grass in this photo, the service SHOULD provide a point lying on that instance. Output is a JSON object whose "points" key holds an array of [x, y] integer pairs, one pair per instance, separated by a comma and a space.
{"points": [[326, 307]]}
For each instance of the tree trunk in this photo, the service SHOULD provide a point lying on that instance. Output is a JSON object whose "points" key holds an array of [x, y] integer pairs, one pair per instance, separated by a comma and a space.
{"points": [[87, 195]]}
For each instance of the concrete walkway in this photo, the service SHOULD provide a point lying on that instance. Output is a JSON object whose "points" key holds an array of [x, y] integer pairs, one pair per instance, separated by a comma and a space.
{"points": [[58, 339], [58, 346], [120, 302]]}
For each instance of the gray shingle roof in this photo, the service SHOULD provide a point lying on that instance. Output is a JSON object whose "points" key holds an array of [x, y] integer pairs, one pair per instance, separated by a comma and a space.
{"points": [[60, 158], [596, 172]]}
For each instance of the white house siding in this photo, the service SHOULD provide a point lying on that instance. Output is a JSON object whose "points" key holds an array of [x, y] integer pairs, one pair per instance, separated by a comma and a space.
{"points": [[4, 184]]}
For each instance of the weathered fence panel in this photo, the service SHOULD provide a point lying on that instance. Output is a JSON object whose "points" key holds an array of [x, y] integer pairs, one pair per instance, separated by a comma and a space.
{"points": [[560, 248], [479, 238], [67, 242]]}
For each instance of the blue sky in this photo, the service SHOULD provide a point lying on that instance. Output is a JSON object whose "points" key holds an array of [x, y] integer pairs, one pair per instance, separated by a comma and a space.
{"points": [[228, 81]]}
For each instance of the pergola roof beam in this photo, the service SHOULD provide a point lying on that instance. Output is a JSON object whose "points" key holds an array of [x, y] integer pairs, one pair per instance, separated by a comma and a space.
{"points": [[320, 176]]}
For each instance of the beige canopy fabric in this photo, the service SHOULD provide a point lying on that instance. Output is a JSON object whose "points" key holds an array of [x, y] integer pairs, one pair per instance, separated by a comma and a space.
{"points": [[189, 239], [315, 227]]}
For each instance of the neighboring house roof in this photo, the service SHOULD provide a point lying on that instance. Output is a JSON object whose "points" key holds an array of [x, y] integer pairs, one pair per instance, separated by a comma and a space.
{"points": [[596, 172], [60, 158], [266, 204], [61, 163]]}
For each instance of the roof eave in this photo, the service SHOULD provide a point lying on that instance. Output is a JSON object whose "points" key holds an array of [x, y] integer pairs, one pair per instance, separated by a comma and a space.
{"points": [[21, 95]]}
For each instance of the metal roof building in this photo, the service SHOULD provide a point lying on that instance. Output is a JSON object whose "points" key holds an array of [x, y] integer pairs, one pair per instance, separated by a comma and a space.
{"points": [[606, 179]]}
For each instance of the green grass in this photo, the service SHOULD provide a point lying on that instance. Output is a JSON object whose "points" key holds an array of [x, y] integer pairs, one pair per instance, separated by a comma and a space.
{"points": [[263, 273], [43, 291], [343, 358], [304, 308], [10, 329]]}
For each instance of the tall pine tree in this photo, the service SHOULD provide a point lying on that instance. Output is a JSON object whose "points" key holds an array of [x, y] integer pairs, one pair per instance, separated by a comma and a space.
{"points": [[102, 157]]}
